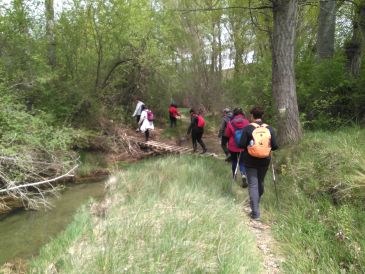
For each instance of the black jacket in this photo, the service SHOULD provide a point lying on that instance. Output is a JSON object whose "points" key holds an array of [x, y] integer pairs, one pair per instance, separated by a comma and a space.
{"points": [[248, 160], [194, 126]]}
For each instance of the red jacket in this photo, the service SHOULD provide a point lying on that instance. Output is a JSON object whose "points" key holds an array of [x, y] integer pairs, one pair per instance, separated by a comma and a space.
{"points": [[238, 121], [173, 112]]}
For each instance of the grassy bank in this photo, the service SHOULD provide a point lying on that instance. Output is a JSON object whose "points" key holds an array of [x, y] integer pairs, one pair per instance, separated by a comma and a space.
{"points": [[321, 219], [168, 215]]}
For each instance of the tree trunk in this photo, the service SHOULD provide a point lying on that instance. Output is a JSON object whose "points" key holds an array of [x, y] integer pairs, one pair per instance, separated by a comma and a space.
{"points": [[353, 48], [50, 23], [326, 29], [214, 54], [283, 74], [220, 65]]}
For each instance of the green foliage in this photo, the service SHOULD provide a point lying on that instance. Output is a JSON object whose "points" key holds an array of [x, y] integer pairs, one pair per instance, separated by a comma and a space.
{"points": [[327, 96], [20, 130], [319, 220]]}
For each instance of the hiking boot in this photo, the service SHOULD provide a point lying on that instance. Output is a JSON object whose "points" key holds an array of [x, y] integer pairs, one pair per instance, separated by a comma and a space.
{"points": [[244, 181], [204, 150], [254, 217]]}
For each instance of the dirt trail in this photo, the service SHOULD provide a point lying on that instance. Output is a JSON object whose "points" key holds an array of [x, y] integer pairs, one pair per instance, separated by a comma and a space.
{"points": [[265, 243], [264, 239]]}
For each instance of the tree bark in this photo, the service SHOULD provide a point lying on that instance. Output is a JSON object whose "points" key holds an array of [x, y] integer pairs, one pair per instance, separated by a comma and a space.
{"points": [[283, 74], [326, 29], [354, 48], [50, 23]]}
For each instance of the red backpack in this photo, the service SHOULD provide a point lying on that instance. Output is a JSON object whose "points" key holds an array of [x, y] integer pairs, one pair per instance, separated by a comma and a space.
{"points": [[201, 122]]}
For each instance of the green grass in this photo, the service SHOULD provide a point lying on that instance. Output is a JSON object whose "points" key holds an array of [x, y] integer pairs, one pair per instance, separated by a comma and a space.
{"points": [[321, 221], [165, 215]]}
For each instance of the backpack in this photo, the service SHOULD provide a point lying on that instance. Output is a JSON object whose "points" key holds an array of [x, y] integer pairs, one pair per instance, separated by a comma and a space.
{"points": [[260, 145], [237, 135], [201, 122], [150, 116]]}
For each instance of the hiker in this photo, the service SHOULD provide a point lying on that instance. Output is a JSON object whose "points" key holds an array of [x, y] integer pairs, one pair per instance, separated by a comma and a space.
{"points": [[197, 129], [137, 111], [146, 122], [173, 113], [257, 140], [227, 115], [235, 127]]}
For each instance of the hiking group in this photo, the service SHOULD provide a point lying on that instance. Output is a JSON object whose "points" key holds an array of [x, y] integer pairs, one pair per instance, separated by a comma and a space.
{"points": [[247, 145]]}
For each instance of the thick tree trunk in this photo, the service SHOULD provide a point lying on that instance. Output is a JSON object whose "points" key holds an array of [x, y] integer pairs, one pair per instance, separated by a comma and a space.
{"points": [[326, 29], [50, 23], [283, 74]]}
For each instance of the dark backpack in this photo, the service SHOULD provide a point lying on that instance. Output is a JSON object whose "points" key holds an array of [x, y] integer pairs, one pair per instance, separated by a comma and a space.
{"points": [[150, 116]]}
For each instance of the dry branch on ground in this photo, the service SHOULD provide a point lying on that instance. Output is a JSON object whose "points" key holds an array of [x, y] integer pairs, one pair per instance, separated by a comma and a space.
{"points": [[28, 180]]}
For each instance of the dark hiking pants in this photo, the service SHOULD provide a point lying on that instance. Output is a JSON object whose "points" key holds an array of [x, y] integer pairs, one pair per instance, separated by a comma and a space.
{"points": [[147, 134], [172, 121], [224, 142], [196, 137], [255, 178]]}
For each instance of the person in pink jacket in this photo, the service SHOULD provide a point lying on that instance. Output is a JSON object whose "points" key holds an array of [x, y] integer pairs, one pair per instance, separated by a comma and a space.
{"points": [[237, 123]]}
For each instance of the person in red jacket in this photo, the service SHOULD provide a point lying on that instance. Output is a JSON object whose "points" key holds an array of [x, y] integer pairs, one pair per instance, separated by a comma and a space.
{"points": [[173, 112], [238, 122]]}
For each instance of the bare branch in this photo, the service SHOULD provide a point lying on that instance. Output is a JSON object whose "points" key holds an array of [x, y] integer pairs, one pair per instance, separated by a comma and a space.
{"points": [[221, 8], [68, 174]]}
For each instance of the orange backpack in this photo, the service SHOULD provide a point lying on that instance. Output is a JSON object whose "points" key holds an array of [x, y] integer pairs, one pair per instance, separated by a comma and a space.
{"points": [[260, 145]]}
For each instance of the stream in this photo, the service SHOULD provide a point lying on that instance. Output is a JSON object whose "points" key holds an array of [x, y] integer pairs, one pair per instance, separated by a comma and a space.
{"points": [[24, 232]]}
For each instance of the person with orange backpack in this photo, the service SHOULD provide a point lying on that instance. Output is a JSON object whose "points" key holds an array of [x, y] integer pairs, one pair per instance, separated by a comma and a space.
{"points": [[196, 129], [257, 140], [234, 131]]}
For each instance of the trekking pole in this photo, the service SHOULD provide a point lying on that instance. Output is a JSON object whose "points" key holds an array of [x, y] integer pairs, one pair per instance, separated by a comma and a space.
{"points": [[238, 163], [274, 179]]}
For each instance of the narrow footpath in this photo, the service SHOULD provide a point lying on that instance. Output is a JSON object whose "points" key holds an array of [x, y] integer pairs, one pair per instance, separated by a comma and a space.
{"points": [[262, 230]]}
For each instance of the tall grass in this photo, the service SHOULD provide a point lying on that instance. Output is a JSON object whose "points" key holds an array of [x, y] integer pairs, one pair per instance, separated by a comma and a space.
{"points": [[168, 215], [321, 219]]}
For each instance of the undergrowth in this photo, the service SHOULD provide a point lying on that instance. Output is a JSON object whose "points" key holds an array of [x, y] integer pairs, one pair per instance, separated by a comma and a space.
{"points": [[320, 220]]}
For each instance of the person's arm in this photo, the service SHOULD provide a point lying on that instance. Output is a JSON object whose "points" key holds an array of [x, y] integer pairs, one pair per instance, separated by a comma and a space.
{"points": [[136, 110], [194, 121], [229, 130], [244, 139], [143, 116], [222, 128], [274, 145]]}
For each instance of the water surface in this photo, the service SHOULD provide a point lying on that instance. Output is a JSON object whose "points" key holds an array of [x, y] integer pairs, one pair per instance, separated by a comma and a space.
{"points": [[24, 232]]}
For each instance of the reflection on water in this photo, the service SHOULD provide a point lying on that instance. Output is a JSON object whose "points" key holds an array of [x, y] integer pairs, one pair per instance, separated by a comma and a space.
{"points": [[24, 232]]}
